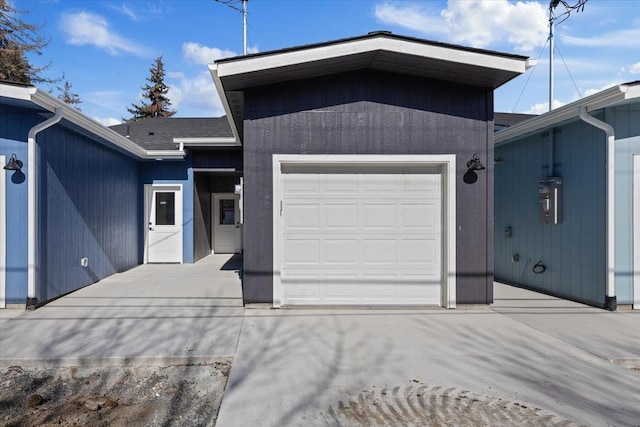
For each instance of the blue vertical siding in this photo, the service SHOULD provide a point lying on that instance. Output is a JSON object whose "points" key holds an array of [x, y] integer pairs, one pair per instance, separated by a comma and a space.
{"points": [[573, 251], [173, 172], [16, 225], [626, 122], [88, 196]]}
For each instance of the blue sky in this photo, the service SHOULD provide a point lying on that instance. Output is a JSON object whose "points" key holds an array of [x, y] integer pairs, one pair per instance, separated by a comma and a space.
{"points": [[105, 48]]}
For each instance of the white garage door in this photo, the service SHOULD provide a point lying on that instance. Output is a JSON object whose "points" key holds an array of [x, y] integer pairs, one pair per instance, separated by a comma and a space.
{"points": [[361, 235]]}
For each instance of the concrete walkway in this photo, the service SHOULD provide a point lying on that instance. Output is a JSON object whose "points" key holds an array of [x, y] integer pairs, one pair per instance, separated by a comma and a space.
{"points": [[351, 367], [158, 313], [545, 360]]}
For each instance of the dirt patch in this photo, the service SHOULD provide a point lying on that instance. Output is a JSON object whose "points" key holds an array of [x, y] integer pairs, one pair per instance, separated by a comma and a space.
{"points": [[115, 396], [420, 405]]}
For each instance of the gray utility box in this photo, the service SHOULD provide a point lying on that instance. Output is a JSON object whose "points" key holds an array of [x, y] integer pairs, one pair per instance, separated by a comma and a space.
{"points": [[550, 200]]}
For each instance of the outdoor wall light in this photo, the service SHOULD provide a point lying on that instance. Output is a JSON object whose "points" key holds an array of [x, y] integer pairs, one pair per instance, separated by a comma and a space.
{"points": [[14, 164], [473, 165]]}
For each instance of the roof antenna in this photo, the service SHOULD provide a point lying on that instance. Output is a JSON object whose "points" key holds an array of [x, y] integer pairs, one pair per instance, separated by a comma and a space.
{"points": [[243, 10], [579, 6]]}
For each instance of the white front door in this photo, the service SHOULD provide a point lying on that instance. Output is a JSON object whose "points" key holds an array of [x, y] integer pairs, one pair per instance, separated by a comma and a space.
{"points": [[3, 235], [636, 232], [164, 223], [227, 237]]}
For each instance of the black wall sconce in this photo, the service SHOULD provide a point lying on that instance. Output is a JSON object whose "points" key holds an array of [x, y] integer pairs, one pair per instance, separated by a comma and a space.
{"points": [[14, 164], [473, 165]]}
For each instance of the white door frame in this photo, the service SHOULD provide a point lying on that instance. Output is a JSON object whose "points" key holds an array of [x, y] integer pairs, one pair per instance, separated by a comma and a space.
{"points": [[447, 163], [148, 188], [215, 197], [636, 231], [3, 235]]}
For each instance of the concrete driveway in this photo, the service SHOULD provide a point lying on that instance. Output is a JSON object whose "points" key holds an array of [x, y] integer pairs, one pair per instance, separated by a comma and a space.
{"points": [[162, 313], [531, 360]]}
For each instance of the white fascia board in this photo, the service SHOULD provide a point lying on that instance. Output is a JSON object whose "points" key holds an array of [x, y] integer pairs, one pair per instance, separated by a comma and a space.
{"points": [[594, 102], [16, 92], [213, 69], [228, 141], [50, 103], [284, 59]]}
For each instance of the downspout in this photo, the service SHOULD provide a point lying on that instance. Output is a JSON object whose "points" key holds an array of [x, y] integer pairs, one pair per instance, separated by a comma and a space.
{"points": [[610, 299], [32, 205]]}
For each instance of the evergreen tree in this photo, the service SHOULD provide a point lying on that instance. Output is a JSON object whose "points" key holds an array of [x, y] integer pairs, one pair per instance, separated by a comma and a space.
{"points": [[67, 96], [156, 92], [17, 38]]}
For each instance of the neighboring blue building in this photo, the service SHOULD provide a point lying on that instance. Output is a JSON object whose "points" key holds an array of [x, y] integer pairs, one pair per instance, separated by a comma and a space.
{"points": [[100, 203], [585, 245]]}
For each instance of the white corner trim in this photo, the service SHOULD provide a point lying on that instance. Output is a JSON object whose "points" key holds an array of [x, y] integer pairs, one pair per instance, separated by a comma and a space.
{"points": [[446, 161], [636, 232], [3, 234]]}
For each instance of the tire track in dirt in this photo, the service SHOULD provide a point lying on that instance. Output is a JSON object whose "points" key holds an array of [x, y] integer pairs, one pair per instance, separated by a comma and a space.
{"points": [[420, 405]]}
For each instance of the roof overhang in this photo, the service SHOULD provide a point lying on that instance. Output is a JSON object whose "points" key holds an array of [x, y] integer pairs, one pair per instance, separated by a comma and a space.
{"points": [[35, 96], [613, 96], [378, 51]]}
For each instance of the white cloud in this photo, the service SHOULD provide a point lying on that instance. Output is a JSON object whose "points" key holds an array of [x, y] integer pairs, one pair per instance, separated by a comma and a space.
{"points": [[175, 74], [197, 95], [415, 17], [203, 55], [84, 28], [543, 107], [107, 121], [589, 92], [618, 39], [480, 23], [635, 68], [125, 10]]}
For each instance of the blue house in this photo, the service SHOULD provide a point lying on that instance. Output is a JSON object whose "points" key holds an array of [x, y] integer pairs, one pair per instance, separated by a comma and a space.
{"points": [[80, 201], [567, 200]]}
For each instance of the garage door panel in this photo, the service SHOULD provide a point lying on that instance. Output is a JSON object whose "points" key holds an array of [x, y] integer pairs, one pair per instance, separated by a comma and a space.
{"points": [[341, 287], [378, 287], [376, 216], [379, 251], [424, 216], [342, 216], [419, 287], [302, 287], [358, 238], [301, 251], [423, 252], [341, 251]]}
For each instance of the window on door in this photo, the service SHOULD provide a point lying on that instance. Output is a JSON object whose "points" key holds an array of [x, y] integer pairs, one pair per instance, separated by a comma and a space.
{"points": [[227, 211], [165, 208]]}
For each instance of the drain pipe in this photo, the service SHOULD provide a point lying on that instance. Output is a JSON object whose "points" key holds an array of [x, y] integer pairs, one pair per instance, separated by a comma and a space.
{"points": [[610, 299], [32, 205]]}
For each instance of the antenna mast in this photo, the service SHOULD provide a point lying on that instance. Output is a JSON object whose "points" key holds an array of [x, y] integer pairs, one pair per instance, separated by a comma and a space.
{"points": [[579, 6], [244, 12]]}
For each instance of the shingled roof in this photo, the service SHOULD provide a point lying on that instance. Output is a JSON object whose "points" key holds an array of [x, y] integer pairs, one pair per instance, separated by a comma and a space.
{"points": [[504, 120], [158, 133]]}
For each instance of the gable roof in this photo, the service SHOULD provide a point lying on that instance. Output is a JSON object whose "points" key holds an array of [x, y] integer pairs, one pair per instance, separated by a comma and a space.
{"points": [[377, 50], [166, 133], [31, 97], [616, 95]]}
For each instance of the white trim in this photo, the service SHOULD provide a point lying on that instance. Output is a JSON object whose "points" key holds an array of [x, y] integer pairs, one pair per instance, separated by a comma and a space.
{"points": [[48, 102], [605, 98], [3, 234], [228, 141], [247, 65], [213, 69], [636, 232], [449, 224], [148, 188]]}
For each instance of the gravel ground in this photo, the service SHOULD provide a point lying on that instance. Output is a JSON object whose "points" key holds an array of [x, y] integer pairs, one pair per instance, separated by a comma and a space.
{"points": [[114, 396]]}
